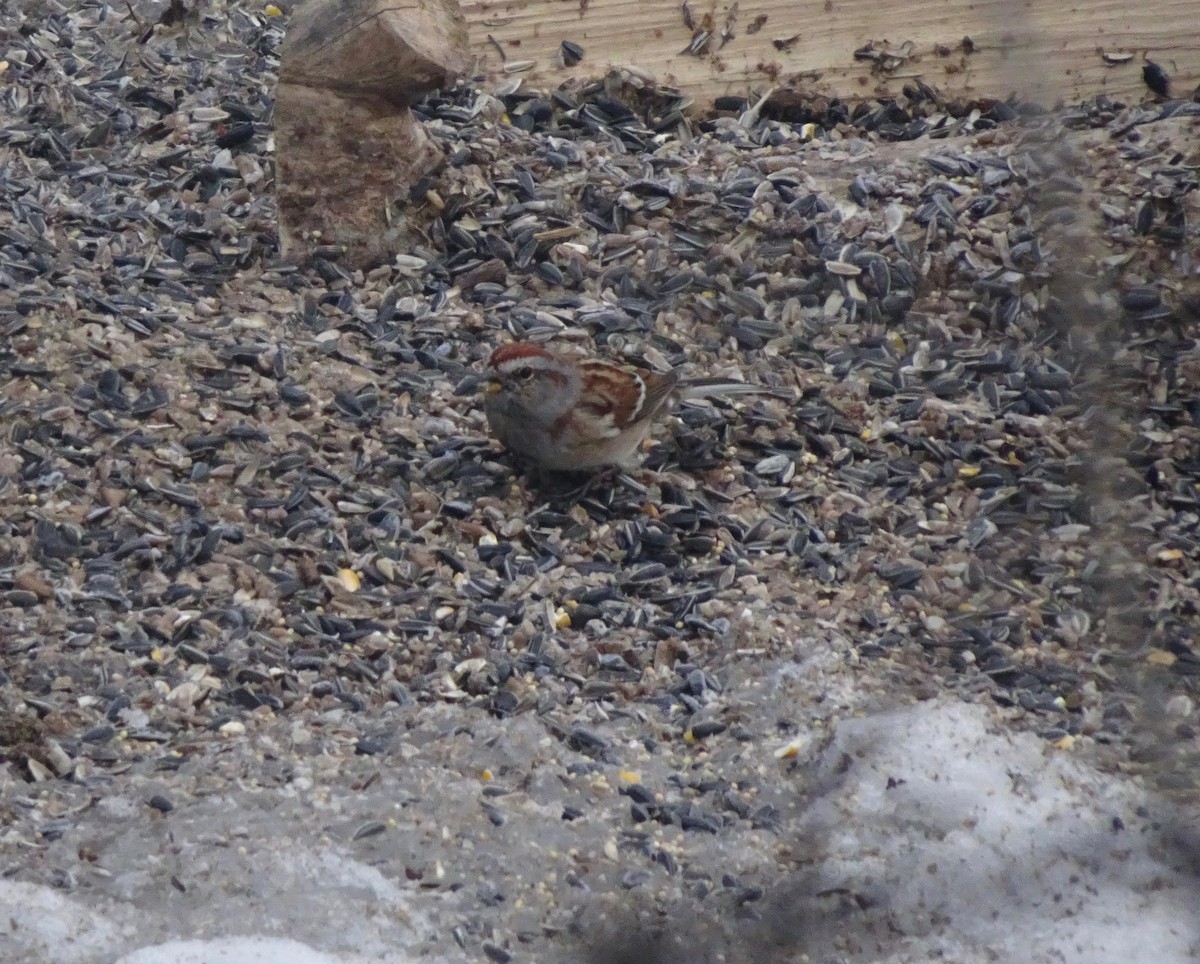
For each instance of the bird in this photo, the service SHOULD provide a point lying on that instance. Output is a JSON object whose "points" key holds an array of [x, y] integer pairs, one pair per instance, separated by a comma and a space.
{"points": [[570, 414]]}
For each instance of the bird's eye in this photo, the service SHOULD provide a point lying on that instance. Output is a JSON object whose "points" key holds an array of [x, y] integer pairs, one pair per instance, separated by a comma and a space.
{"points": [[523, 374]]}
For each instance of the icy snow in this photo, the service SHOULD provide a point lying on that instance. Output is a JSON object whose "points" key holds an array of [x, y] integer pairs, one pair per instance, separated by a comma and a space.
{"points": [[980, 845]]}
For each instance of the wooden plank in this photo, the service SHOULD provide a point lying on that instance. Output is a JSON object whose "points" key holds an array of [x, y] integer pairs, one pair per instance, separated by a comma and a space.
{"points": [[1044, 50]]}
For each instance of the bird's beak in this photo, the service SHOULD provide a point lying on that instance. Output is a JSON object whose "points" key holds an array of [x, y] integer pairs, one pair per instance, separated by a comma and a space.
{"points": [[472, 384]]}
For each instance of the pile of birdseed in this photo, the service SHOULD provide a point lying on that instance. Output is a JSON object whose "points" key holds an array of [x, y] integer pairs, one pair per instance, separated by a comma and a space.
{"points": [[249, 532]]}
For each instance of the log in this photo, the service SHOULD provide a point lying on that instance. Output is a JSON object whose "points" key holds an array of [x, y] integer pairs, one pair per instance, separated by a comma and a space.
{"points": [[1042, 50], [347, 143]]}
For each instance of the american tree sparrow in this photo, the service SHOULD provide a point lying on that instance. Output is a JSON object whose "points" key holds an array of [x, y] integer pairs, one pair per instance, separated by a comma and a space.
{"points": [[569, 415]]}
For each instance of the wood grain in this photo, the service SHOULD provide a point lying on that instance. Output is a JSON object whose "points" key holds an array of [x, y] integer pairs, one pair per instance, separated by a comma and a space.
{"points": [[1046, 51]]}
